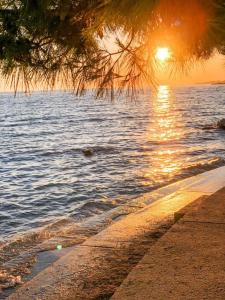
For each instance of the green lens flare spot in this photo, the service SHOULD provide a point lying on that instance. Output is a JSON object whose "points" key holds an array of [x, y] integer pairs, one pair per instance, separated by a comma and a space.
{"points": [[59, 247]]}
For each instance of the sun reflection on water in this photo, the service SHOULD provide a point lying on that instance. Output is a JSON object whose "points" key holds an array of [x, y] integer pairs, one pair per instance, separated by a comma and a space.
{"points": [[165, 128]]}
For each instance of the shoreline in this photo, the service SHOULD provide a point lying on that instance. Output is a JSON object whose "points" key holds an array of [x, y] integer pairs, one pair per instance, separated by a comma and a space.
{"points": [[198, 168], [122, 239]]}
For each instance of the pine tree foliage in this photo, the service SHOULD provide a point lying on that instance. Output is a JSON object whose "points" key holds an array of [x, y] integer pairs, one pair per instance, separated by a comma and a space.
{"points": [[106, 44]]}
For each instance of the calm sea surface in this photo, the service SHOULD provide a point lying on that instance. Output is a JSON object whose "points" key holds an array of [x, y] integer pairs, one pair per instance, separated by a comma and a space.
{"points": [[136, 147]]}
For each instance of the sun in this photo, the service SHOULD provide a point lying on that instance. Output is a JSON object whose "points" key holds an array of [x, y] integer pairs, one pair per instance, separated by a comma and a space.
{"points": [[162, 54]]}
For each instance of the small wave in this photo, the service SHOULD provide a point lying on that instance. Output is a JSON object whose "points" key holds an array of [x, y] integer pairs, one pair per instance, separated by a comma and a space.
{"points": [[202, 166], [92, 208], [98, 120], [209, 127], [50, 185]]}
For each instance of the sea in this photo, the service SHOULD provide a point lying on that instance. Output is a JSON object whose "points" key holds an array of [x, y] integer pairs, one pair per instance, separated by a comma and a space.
{"points": [[64, 157]]}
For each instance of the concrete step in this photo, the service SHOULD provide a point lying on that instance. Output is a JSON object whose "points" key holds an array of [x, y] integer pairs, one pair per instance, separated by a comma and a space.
{"points": [[98, 266], [188, 262]]}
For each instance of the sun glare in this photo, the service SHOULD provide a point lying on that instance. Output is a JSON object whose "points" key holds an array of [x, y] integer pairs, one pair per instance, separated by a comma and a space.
{"points": [[162, 54]]}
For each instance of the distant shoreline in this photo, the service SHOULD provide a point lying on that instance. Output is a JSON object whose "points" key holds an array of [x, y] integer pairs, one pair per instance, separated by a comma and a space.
{"points": [[212, 82]]}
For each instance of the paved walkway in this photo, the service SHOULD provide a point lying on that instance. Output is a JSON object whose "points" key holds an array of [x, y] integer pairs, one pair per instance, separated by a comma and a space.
{"points": [[188, 262]]}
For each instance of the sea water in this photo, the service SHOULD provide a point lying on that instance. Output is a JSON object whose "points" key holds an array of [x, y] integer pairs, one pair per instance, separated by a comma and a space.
{"points": [[67, 157]]}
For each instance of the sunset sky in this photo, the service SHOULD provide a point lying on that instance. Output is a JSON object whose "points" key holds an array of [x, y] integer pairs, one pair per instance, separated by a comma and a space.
{"points": [[211, 70], [207, 71]]}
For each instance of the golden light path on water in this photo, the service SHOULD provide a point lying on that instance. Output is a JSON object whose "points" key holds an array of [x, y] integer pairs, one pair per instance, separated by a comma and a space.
{"points": [[164, 132]]}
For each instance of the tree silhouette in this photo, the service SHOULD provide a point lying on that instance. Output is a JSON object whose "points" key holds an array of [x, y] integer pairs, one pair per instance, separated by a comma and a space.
{"points": [[106, 44]]}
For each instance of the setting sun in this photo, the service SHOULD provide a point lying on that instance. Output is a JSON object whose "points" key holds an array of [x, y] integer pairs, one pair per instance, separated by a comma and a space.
{"points": [[162, 54]]}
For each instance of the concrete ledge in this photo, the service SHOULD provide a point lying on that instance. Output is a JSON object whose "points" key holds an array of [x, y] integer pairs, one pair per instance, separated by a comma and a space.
{"points": [[99, 263], [80, 273], [188, 262]]}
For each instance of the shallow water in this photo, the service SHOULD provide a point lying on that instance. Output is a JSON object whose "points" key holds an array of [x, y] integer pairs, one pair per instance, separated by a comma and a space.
{"points": [[135, 147]]}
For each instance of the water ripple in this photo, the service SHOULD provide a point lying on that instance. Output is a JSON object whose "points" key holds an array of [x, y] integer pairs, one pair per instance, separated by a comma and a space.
{"points": [[133, 148]]}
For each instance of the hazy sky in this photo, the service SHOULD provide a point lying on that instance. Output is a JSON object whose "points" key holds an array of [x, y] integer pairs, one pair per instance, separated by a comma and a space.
{"points": [[211, 70]]}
